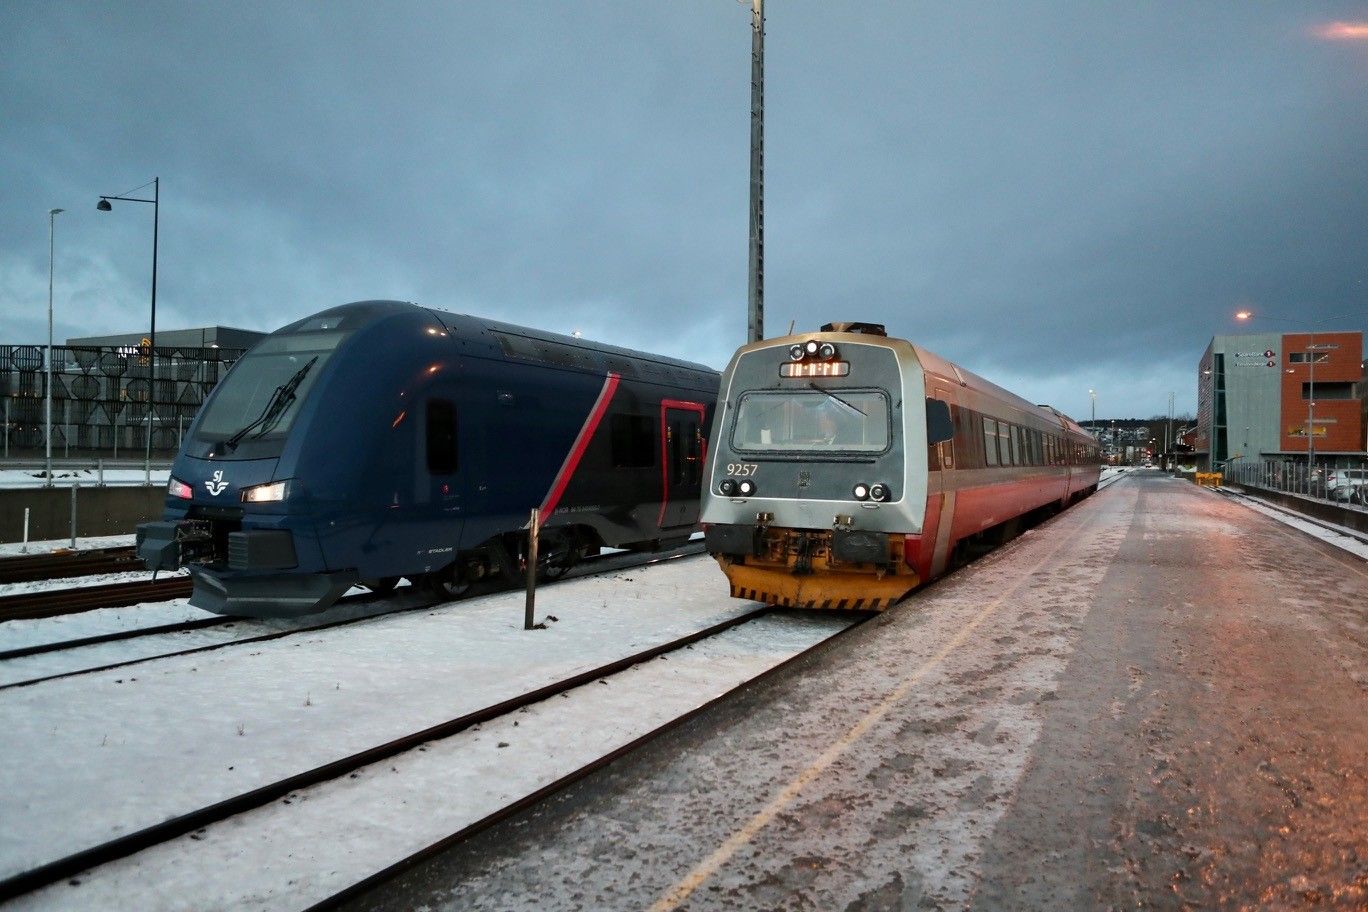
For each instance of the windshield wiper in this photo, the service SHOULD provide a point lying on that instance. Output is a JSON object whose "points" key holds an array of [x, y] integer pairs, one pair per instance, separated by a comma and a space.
{"points": [[837, 398], [280, 401]]}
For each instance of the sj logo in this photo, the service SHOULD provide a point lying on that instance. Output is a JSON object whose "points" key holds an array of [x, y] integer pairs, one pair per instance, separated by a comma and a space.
{"points": [[217, 485]]}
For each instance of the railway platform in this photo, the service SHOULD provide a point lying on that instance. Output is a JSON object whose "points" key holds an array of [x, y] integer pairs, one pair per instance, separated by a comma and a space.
{"points": [[1155, 700]]}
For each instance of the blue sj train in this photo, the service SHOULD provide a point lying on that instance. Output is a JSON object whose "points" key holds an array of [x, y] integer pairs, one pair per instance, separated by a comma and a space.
{"points": [[382, 440]]}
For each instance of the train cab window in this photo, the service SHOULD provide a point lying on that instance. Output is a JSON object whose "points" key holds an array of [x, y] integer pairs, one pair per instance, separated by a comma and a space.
{"points": [[632, 439], [441, 437], [246, 399], [839, 421], [990, 439]]}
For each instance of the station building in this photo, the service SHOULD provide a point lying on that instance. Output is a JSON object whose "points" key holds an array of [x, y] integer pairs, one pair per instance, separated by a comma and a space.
{"points": [[105, 403], [1267, 396]]}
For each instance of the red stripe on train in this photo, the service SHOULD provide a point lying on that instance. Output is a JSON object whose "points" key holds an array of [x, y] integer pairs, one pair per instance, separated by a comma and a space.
{"points": [[572, 459]]}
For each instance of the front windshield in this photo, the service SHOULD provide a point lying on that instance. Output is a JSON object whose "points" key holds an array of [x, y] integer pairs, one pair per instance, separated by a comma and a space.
{"points": [[840, 420], [244, 394]]}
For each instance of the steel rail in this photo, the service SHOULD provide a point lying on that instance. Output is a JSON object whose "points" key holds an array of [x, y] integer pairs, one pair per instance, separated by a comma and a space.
{"points": [[359, 599], [379, 878], [61, 645], [131, 843], [28, 568], [56, 602]]}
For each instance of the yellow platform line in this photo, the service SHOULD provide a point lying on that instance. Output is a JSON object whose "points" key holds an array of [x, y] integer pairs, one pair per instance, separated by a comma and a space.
{"points": [[685, 888]]}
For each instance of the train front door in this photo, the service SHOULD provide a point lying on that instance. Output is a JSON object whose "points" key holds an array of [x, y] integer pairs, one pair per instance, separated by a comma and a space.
{"points": [[682, 450]]}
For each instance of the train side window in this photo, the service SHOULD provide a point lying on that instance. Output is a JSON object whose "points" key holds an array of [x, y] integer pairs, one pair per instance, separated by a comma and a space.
{"points": [[676, 439], [691, 468], [1005, 444], [632, 439], [441, 437], [990, 437]]}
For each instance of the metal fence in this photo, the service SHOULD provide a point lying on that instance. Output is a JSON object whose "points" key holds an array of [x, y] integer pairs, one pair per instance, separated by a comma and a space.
{"points": [[104, 399], [1341, 481]]}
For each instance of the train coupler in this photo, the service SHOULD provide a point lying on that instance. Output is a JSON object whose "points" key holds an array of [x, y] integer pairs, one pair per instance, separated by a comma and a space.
{"points": [[169, 545]]}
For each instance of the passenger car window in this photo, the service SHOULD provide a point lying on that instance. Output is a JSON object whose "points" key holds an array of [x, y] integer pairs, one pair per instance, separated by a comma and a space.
{"points": [[990, 436]]}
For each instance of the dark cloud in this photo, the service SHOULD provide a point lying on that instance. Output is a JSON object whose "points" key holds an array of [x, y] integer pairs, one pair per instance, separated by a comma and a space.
{"points": [[1060, 196]]}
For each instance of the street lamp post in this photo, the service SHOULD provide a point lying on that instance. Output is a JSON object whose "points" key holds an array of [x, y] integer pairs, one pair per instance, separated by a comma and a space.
{"points": [[104, 206], [756, 329], [1092, 424], [47, 395]]}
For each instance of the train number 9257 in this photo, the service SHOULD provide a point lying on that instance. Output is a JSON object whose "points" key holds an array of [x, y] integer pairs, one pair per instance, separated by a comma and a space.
{"points": [[741, 468]]}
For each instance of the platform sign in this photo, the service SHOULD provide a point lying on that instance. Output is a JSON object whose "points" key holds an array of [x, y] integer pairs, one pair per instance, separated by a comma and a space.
{"points": [[1267, 358]]}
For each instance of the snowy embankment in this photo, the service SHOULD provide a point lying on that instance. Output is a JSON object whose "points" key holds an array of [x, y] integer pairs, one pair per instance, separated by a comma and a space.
{"points": [[86, 478], [1345, 540], [96, 756]]}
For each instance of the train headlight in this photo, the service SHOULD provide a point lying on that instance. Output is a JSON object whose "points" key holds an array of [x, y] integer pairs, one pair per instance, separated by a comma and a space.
{"points": [[879, 491], [861, 491], [746, 488], [795, 352], [177, 488], [812, 347], [266, 493], [727, 487], [827, 351]]}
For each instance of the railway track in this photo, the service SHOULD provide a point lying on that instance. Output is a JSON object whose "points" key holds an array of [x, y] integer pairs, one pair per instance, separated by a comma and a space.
{"points": [[28, 568], [187, 823], [419, 602], [54, 602]]}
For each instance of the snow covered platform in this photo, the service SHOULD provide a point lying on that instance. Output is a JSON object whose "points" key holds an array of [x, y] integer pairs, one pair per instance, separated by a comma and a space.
{"points": [[1157, 699]]}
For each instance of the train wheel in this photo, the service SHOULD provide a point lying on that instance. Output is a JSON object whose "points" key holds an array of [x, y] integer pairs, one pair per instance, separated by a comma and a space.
{"points": [[445, 583], [383, 586], [557, 555]]}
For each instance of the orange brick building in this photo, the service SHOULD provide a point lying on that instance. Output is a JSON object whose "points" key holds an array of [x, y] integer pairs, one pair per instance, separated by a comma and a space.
{"points": [[1257, 394]]}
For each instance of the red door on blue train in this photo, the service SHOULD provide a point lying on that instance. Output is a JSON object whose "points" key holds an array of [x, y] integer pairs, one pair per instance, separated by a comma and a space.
{"points": [[682, 451]]}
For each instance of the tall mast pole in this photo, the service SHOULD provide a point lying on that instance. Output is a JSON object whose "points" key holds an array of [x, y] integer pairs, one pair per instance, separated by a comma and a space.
{"points": [[756, 293]]}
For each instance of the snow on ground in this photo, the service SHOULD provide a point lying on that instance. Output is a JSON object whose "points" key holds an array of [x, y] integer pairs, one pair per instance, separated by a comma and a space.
{"points": [[1341, 540], [93, 756], [65, 478], [76, 582], [37, 631], [10, 549], [284, 856], [66, 661]]}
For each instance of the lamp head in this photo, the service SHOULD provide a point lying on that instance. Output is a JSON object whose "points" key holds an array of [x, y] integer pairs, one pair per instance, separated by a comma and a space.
{"points": [[1243, 314], [55, 211], [103, 205]]}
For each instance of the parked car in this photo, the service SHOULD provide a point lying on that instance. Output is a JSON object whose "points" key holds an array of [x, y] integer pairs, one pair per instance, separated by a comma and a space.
{"points": [[1349, 485]]}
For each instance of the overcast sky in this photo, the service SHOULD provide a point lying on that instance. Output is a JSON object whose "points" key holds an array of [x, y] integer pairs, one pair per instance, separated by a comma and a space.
{"points": [[1059, 196]]}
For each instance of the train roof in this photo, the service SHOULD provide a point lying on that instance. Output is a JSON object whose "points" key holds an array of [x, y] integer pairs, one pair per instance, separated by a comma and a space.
{"points": [[874, 334], [527, 344], [952, 372]]}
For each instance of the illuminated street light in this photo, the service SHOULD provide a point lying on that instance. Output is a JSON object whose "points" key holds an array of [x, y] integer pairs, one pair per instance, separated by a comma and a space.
{"points": [[104, 206]]}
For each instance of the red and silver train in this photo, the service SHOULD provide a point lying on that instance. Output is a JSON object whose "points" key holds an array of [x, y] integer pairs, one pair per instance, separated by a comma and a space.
{"points": [[847, 468]]}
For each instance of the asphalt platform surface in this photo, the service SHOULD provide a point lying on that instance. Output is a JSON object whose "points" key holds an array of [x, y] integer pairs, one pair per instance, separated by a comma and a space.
{"points": [[1157, 700]]}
